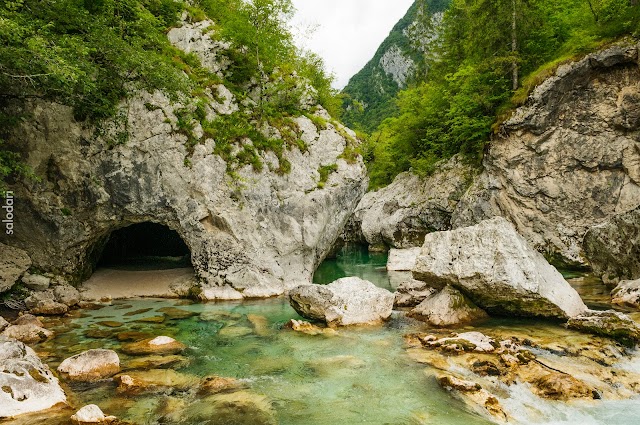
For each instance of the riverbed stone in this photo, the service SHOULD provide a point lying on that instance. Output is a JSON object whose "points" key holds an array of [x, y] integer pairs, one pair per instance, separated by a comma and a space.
{"points": [[177, 313], [218, 384], [66, 294], [43, 302], [28, 329], [14, 262], [610, 323], [474, 396], [157, 345], [91, 365], [627, 293], [91, 414], [561, 386], [447, 307], [346, 301], [411, 292], [155, 381], [309, 328], [497, 269], [164, 361], [27, 384], [402, 259], [36, 282]]}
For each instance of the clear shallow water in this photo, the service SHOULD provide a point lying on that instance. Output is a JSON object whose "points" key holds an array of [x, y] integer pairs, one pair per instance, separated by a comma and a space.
{"points": [[360, 376]]}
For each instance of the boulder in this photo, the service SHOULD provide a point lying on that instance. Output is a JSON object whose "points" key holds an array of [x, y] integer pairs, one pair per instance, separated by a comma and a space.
{"points": [[27, 384], [627, 293], [308, 328], [613, 248], [14, 263], [155, 381], [218, 384], [3, 323], [44, 303], [91, 365], [561, 386], [346, 301], [36, 282], [402, 259], [474, 396], [66, 294], [91, 414], [610, 323], [157, 345], [412, 292], [448, 307], [497, 269], [27, 328]]}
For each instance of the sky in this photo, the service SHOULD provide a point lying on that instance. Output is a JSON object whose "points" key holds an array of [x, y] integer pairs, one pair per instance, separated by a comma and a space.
{"points": [[345, 33]]}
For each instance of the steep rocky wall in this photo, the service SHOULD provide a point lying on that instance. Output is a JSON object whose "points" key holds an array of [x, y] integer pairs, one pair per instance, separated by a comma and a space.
{"points": [[254, 234], [569, 158]]}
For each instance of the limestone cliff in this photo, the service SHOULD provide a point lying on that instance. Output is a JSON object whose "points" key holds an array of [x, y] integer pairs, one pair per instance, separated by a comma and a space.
{"points": [[251, 233], [565, 161]]}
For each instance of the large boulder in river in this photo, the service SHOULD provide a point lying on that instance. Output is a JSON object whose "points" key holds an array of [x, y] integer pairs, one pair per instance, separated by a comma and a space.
{"points": [[91, 414], [91, 365], [27, 384], [610, 323], [497, 269], [627, 293], [347, 301], [14, 263], [613, 247], [447, 307]]}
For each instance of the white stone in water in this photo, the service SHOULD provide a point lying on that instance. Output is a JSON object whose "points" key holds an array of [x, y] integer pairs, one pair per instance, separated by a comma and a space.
{"points": [[89, 414], [480, 340], [161, 340]]}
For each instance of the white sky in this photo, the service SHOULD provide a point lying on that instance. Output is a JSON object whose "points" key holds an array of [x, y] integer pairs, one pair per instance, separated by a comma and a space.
{"points": [[347, 32]]}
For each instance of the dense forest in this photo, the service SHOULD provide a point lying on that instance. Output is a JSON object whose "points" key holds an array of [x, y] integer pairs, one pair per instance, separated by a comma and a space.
{"points": [[488, 56], [93, 54]]}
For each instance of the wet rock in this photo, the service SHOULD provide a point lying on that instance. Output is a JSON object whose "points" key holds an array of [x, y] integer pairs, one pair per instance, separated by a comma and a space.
{"points": [[627, 293], [220, 293], [133, 335], [412, 292], [496, 268], [235, 331], [91, 414], [155, 381], [331, 365], [151, 319], [157, 345], [219, 316], [98, 333], [613, 248], [475, 397], [136, 312], [27, 385], [467, 341], [176, 313], [308, 328], [28, 329], [260, 324], [67, 295], [44, 303], [36, 282], [448, 307], [347, 301], [14, 262], [561, 386], [608, 323], [110, 324], [218, 384], [158, 362], [402, 259], [91, 365]]}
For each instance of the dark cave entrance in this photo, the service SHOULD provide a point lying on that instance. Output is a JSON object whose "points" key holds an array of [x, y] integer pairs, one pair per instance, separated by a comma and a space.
{"points": [[145, 246]]}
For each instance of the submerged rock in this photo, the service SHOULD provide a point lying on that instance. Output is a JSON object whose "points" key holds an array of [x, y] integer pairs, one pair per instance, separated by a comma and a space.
{"points": [[14, 262], [218, 384], [27, 385], [157, 345], [613, 248], [163, 361], [91, 414], [346, 301], [608, 323], [91, 365], [155, 381], [402, 259], [177, 313], [627, 293], [448, 307], [496, 268], [308, 328]]}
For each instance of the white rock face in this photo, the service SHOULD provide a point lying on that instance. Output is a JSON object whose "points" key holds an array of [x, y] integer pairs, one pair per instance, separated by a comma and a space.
{"points": [[402, 259], [447, 307], [255, 233], [27, 384], [496, 268], [91, 365], [397, 65], [14, 263], [570, 157], [411, 292], [401, 214], [347, 301], [194, 38], [627, 293]]}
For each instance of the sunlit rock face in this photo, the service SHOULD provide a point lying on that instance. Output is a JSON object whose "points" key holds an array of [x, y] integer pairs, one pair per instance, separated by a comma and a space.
{"points": [[253, 233]]}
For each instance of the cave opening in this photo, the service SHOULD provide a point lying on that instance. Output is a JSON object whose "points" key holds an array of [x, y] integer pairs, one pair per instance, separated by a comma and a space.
{"points": [[145, 246]]}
